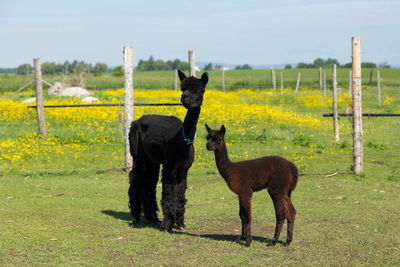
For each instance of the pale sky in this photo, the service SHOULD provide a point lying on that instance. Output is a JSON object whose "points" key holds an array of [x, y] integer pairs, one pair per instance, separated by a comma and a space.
{"points": [[257, 32]]}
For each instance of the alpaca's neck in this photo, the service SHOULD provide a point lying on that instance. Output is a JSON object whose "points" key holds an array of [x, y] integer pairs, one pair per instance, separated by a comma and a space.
{"points": [[223, 161], [190, 122]]}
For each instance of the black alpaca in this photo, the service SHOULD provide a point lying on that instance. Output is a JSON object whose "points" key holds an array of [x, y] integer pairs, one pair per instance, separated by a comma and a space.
{"points": [[166, 140], [276, 174]]}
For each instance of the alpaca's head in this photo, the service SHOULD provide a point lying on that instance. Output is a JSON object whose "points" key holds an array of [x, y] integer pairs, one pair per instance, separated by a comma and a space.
{"points": [[215, 138], [192, 90]]}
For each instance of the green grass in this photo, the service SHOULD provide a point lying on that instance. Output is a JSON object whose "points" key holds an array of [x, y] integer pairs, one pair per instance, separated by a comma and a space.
{"points": [[83, 219], [233, 79], [68, 211]]}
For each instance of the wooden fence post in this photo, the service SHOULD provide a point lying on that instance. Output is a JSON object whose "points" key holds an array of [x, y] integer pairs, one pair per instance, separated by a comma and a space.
{"points": [[128, 104], [223, 79], [371, 76], [335, 105], [192, 63], [39, 97], [281, 74], [273, 79], [176, 80], [320, 77], [298, 82], [357, 107], [378, 77], [350, 81], [324, 83]]}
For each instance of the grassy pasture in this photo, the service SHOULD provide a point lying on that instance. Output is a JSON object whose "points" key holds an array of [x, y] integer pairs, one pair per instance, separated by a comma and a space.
{"points": [[83, 219], [234, 79], [63, 200]]}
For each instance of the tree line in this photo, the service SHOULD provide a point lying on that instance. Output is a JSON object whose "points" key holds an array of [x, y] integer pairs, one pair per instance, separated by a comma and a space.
{"points": [[153, 65], [329, 62], [64, 68]]}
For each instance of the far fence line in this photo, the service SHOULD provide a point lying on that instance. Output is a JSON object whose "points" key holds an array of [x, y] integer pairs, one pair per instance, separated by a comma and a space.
{"points": [[106, 105], [364, 115]]}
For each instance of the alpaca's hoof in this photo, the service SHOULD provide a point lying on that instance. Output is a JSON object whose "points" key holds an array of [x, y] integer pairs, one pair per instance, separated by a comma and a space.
{"points": [[247, 244], [287, 243], [180, 227], [134, 221], [165, 228], [154, 220], [271, 243]]}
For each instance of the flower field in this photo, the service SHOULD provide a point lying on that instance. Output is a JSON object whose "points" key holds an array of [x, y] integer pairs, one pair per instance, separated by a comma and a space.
{"points": [[64, 197], [259, 122]]}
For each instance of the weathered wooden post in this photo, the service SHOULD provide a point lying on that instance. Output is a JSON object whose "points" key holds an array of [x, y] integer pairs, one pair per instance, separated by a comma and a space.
{"points": [[128, 103], [192, 63], [298, 82], [378, 77], [320, 77], [350, 81], [281, 74], [357, 107], [39, 97], [371, 76], [324, 83], [223, 79], [176, 80], [273, 76], [335, 105]]}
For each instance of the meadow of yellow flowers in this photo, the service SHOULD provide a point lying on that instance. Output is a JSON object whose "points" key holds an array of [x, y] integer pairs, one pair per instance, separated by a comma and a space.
{"points": [[92, 137]]}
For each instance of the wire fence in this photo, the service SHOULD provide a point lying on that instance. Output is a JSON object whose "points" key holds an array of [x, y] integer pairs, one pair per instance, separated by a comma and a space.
{"points": [[98, 144]]}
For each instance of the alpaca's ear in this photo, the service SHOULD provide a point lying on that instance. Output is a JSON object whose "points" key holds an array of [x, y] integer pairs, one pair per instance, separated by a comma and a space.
{"points": [[204, 78], [208, 128], [181, 75], [222, 130]]}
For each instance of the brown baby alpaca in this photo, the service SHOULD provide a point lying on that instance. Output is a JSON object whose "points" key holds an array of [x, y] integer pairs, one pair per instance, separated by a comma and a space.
{"points": [[276, 174]]}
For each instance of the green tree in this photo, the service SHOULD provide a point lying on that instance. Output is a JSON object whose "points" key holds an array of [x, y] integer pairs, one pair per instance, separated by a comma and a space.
{"points": [[118, 71], [288, 66], [151, 65], [303, 65], [24, 69], [243, 67], [48, 68], [330, 62], [363, 65], [99, 69], [209, 66], [319, 62]]}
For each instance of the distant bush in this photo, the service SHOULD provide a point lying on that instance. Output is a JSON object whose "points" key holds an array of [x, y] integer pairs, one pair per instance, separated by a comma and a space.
{"points": [[152, 65], [243, 67], [118, 71]]}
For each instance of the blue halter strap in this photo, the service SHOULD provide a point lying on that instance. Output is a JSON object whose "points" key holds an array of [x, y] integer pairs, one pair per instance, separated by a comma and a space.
{"points": [[187, 140]]}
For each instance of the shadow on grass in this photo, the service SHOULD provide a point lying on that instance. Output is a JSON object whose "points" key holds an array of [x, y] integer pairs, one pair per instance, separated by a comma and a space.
{"points": [[126, 216], [223, 237]]}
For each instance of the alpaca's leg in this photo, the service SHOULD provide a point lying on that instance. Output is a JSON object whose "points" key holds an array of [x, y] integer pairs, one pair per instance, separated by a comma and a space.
{"points": [[149, 197], [242, 219], [279, 205], [181, 200], [136, 178], [291, 214], [245, 208], [168, 199]]}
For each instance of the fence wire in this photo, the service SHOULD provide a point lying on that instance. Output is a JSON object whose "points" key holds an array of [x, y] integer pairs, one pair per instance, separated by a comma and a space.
{"points": [[98, 144]]}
